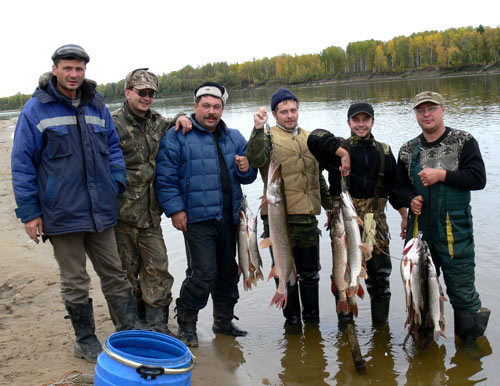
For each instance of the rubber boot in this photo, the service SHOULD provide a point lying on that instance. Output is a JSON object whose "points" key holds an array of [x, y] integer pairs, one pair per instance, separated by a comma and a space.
{"points": [[223, 316], [87, 346], [186, 319], [124, 313], [157, 319], [471, 325], [141, 311], [292, 310], [380, 309], [309, 297]]}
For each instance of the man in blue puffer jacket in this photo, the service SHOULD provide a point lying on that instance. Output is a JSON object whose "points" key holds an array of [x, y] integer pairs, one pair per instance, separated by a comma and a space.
{"points": [[67, 169], [198, 177]]}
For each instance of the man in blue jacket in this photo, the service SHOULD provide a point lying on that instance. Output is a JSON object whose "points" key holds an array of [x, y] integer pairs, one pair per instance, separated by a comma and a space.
{"points": [[67, 169], [198, 177]]}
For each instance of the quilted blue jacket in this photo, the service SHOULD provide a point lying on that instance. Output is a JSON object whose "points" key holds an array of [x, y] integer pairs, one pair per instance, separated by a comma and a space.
{"points": [[188, 172], [67, 165]]}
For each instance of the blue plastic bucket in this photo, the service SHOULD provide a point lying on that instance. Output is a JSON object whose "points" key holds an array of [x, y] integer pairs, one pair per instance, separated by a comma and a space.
{"points": [[135, 357]]}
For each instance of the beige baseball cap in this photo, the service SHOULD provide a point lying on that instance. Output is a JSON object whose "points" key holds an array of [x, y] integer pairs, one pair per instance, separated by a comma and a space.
{"points": [[428, 96]]}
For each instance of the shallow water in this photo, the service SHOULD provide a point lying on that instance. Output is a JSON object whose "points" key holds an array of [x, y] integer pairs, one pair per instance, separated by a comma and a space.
{"points": [[270, 355]]}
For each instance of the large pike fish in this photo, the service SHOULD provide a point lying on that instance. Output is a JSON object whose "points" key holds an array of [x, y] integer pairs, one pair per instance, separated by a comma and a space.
{"points": [[253, 248], [355, 248], [249, 260], [340, 273], [424, 295], [279, 236]]}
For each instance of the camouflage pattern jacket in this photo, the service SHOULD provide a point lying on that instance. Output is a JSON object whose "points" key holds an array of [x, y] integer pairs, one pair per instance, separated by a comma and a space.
{"points": [[140, 140]]}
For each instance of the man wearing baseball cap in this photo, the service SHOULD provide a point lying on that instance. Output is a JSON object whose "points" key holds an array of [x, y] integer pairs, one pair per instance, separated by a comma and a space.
{"points": [[67, 169], [436, 172], [138, 233], [198, 183], [306, 192], [371, 185]]}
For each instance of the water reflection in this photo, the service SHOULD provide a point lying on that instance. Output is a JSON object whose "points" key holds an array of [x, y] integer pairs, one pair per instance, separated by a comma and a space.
{"points": [[303, 360], [230, 350], [426, 367], [380, 357], [467, 362]]}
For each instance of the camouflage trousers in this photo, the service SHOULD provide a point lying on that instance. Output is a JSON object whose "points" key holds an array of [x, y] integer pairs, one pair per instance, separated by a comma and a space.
{"points": [[144, 257], [364, 206]]}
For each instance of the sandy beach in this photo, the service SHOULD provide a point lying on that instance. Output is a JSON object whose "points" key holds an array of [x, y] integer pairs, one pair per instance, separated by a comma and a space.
{"points": [[36, 341]]}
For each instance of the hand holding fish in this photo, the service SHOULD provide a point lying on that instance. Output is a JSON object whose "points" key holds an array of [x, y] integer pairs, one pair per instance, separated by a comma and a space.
{"points": [[416, 205], [430, 176], [242, 163], [260, 117], [345, 161]]}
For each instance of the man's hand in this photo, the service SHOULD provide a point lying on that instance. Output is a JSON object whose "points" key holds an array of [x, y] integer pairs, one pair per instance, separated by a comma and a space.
{"points": [[179, 220], [416, 205], [430, 176], [185, 123], [34, 228], [404, 222], [260, 117], [242, 163], [345, 161]]}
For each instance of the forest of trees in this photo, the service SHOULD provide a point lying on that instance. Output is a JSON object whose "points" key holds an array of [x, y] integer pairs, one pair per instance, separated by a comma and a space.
{"points": [[451, 50]]}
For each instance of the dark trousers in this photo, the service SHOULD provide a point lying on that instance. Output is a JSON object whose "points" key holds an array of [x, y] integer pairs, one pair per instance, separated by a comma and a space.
{"points": [[379, 270], [212, 268]]}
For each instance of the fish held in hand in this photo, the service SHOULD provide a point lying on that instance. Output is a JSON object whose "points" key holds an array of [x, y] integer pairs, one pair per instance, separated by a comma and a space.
{"points": [[279, 236]]}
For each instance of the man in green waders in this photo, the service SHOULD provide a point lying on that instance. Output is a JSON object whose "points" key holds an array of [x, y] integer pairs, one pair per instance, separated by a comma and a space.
{"points": [[436, 172]]}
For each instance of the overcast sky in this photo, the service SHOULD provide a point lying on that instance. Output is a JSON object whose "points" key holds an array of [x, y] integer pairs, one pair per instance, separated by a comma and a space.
{"points": [[167, 35]]}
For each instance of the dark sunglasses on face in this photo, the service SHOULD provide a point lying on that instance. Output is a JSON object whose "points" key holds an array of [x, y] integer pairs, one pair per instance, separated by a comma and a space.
{"points": [[143, 93]]}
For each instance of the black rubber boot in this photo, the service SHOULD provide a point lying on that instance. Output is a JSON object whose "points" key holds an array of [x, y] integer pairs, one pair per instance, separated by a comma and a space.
{"points": [[186, 319], [124, 313], [157, 319], [309, 297], [471, 325], [223, 316], [87, 346], [292, 310], [141, 311], [380, 309]]}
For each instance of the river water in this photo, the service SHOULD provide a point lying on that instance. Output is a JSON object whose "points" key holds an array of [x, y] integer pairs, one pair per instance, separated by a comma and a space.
{"points": [[320, 355]]}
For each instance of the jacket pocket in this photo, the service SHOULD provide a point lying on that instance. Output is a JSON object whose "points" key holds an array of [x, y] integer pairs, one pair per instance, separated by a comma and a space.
{"points": [[58, 145], [101, 139]]}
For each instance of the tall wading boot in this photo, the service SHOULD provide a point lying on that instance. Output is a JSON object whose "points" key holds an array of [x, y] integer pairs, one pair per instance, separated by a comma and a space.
{"points": [[292, 310], [124, 313], [87, 346], [309, 297], [380, 309], [157, 319], [471, 325], [186, 319], [141, 311], [223, 316]]}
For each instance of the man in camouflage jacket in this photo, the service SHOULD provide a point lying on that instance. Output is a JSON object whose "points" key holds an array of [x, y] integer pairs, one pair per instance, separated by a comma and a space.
{"points": [[138, 233]]}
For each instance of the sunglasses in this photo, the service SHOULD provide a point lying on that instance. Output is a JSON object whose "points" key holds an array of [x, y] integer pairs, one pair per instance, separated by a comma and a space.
{"points": [[143, 93]]}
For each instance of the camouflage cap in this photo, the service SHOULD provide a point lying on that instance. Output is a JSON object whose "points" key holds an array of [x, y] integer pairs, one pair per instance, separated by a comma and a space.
{"points": [[427, 96], [140, 79]]}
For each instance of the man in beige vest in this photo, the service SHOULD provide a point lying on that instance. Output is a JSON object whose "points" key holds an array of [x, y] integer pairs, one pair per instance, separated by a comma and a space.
{"points": [[306, 191]]}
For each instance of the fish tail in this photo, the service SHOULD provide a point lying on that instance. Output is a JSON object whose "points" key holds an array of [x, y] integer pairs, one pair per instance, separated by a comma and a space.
{"points": [[279, 300], [354, 309], [272, 274]]}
